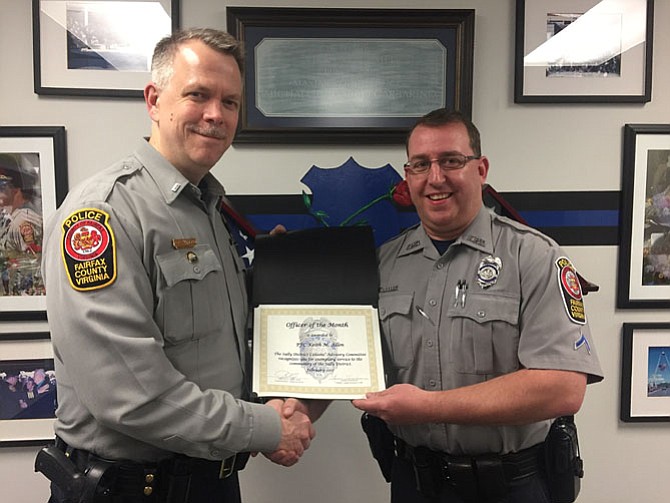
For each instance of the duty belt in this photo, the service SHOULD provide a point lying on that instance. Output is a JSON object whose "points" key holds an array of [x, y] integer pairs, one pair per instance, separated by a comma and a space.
{"points": [[473, 476], [169, 475]]}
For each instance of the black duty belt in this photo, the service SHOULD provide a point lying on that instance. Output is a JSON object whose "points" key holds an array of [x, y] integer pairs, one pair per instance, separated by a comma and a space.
{"points": [[152, 479], [471, 475], [516, 465]]}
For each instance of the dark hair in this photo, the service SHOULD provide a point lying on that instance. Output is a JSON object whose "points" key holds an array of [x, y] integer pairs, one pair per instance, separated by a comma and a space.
{"points": [[166, 48], [444, 116]]}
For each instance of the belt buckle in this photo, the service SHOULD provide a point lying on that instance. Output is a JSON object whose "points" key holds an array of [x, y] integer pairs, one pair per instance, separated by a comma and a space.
{"points": [[227, 467]]}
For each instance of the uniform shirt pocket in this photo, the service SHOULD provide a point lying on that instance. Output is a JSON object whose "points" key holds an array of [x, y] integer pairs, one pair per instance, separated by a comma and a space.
{"points": [[484, 334], [190, 301], [395, 313]]}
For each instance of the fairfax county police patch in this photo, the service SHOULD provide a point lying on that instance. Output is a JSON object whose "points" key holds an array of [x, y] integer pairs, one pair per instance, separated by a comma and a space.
{"points": [[571, 291], [89, 250]]}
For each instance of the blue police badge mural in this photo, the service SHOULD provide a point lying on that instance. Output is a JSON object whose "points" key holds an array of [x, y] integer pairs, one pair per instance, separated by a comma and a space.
{"points": [[352, 194], [318, 348]]}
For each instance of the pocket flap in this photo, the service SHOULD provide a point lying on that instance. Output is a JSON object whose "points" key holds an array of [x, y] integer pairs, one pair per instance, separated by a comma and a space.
{"points": [[194, 263], [390, 304], [483, 308]]}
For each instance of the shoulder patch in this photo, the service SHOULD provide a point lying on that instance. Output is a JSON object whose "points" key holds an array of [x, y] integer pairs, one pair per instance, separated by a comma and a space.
{"points": [[88, 249], [571, 291]]}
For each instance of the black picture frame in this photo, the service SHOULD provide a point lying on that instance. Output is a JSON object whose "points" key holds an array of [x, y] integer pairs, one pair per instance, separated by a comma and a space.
{"points": [[41, 156], [71, 57], [645, 373], [643, 262], [33, 425], [541, 74], [291, 98]]}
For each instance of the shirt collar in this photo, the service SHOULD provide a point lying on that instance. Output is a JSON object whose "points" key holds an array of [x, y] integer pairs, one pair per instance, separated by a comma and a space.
{"points": [[168, 179], [477, 235]]}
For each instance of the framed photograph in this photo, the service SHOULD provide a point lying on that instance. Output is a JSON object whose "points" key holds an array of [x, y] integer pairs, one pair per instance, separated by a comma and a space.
{"points": [[28, 393], [645, 375], [583, 51], [98, 47], [33, 183], [644, 251], [349, 75]]}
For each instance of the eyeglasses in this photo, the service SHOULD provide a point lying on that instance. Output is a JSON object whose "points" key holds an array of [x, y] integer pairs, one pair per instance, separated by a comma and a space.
{"points": [[446, 163]]}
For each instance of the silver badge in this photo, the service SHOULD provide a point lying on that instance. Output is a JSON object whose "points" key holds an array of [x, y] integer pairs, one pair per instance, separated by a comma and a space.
{"points": [[488, 272]]}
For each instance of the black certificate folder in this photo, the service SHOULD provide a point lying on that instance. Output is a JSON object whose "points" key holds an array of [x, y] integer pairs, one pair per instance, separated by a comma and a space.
{"points": [[325, 265]]}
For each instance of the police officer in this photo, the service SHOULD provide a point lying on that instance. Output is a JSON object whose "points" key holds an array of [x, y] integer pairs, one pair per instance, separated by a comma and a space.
{"points": [[484, 322], [147, 304]]}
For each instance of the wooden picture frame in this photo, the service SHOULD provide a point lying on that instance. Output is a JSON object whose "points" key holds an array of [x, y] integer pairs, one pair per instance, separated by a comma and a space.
{"points": [[98, 47], [33, 183], [585, 51], [339, 76], [645, 374], [30, 424], [644, 261]]}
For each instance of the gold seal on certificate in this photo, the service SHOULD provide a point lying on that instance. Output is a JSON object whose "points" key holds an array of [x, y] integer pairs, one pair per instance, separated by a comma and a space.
{"points": [[317, 351]]}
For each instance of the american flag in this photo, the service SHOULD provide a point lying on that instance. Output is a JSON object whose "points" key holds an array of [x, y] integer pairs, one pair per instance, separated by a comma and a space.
{"points": [[242, 232]]}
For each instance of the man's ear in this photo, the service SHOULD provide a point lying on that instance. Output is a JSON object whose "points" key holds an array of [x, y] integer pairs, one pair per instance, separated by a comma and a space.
{"points": [[151, 100]]}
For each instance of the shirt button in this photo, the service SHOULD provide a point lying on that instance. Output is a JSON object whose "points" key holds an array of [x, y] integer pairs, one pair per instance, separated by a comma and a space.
{"points": [[215, 454], [481, 314], [440, 266], [148, 490], [196, 270], [432, 383], [432, 302], [429, 344]]}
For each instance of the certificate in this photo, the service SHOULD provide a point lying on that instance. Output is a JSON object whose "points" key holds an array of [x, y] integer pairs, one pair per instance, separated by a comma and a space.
{"points": [[317, 351]]}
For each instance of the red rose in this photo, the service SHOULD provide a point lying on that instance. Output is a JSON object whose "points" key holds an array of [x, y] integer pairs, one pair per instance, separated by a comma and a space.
{"points": [[400, 194]]}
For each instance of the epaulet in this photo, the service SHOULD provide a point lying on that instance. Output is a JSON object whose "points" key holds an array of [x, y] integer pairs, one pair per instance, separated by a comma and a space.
{"points": [[100, 187], [401, 235], [523, 228]]}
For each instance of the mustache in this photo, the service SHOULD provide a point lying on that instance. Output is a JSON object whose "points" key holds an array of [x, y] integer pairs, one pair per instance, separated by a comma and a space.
{"points": [[211, 131]]}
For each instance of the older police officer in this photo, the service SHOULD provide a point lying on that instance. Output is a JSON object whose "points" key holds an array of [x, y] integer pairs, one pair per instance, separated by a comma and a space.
{"points": [[147, 303], [485, 326]]}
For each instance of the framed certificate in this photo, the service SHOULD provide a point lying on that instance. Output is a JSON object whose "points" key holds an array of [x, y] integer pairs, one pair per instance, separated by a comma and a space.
{"points": [[317, 351], [349, 75]]}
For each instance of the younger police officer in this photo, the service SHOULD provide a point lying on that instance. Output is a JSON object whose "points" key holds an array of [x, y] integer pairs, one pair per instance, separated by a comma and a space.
{"points": [[147, 303], [485, 326]]}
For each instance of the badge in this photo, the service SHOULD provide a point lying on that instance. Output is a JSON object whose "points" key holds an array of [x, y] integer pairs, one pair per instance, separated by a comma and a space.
{"points": [[88, 249], [571, 291], [488, 272]]}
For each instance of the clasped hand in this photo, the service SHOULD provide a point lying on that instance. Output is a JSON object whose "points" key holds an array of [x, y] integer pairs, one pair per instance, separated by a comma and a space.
{"points": [[297, 432]]}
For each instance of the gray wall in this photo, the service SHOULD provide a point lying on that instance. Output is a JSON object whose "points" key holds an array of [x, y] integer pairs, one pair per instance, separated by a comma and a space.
{"points": [[531, 148]]}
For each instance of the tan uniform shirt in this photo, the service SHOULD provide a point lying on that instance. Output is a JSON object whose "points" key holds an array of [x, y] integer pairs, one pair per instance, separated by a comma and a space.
{"points": [[149, 340], [501, 298]]}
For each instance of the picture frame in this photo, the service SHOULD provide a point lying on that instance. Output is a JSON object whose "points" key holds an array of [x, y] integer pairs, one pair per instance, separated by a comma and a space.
{"points": [[362, 76], [645, 375], [583, 51], [30, 423], [33, 183], [98, 47], [643, 262]]}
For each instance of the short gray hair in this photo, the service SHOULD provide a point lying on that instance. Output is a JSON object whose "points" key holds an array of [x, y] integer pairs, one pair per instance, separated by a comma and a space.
{"points": [[163, 57]]}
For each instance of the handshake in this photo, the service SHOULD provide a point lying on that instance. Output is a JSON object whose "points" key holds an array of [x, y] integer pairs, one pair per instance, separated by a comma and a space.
{"points": [[297, 429]]}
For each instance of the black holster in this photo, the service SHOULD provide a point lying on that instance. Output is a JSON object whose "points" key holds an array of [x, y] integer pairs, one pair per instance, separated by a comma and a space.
{"points": [[564, 467], [382, 443], [92, 485]]}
